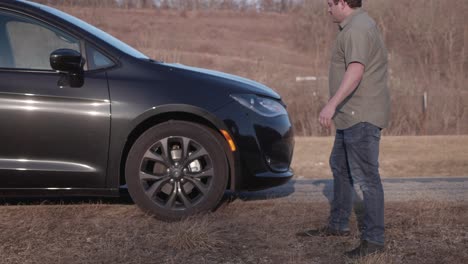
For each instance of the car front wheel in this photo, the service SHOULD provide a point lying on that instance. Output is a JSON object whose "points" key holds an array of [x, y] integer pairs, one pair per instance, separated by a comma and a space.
{"points": [[177, 169]]}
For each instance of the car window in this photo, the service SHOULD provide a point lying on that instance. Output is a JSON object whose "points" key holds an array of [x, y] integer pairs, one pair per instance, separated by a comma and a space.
{"points": [[97, 60], [93, 30], [31, 42]]}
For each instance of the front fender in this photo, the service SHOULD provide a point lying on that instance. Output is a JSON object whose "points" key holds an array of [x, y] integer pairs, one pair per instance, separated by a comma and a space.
{"points": [[156, 115]]}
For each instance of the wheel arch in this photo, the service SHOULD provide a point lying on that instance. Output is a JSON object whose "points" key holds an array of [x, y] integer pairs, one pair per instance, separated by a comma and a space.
{"points": [[188, 113]]}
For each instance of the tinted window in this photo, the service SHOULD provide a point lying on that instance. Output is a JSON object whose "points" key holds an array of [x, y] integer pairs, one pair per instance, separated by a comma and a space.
{"points": [[93, 30], [97, 60], [28, 43]]}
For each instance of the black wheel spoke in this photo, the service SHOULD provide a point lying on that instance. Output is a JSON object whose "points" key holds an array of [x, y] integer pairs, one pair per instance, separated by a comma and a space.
{"points": [[172, 198], [198, 184], [150, 177], [156, 157], [198, 154], [185, 147], [205, 173], [155, 187], [182, 196]]}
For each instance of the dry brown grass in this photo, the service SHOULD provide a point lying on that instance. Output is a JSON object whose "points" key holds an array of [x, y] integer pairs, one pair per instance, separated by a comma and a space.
{"points": [[274, 48], [421, 156], [422, 231], [194, 233]]}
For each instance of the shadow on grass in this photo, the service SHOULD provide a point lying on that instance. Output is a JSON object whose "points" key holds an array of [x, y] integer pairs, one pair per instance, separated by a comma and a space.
{"points": [[272, 193], [124, 198], [358, 203], [326, 186], [269, 194]]}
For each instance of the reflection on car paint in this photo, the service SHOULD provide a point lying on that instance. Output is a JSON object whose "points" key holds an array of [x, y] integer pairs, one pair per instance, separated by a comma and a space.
{"points": [[43, 165]]}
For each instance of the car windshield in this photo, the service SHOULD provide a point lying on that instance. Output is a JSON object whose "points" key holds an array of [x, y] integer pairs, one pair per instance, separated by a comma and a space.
{"points": [[93, 30]]}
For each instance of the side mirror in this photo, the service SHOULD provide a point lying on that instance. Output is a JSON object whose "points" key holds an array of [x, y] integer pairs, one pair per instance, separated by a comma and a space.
{"points": [[70, 64], [66, 60]]}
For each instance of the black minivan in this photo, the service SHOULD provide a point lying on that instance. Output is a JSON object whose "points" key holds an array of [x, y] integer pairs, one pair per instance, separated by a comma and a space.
{"points": [[82, 113]]}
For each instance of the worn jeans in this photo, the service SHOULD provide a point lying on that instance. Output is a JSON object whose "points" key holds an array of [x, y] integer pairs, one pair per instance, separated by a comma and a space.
{"points": [[354, 159]]}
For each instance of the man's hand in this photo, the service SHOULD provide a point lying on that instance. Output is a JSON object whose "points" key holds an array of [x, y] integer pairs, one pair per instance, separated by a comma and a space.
{"points": [[326, 115]]}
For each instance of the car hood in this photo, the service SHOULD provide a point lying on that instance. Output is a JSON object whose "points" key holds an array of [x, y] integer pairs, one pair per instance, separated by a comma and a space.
{"points": [[232, 82]]}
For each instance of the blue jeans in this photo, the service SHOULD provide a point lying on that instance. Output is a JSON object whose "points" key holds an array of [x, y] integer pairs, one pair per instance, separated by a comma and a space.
{"points": [[355, 159]]}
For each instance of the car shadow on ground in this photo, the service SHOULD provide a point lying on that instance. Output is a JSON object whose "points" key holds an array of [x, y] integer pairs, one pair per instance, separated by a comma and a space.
{"points": [[272, 193], [324, 185], [285, 190], [124, 198]]}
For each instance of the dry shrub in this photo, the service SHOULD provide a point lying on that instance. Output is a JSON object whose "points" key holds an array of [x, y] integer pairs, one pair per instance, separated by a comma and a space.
{"points": [[427, 51]]}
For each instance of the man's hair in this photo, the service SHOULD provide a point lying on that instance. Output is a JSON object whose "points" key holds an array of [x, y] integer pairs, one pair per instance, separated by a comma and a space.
{"points": [[351, 3]]}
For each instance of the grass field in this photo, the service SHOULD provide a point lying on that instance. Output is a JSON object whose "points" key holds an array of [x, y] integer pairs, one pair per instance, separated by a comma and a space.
{"points": [[417, 156], [421, 231]]}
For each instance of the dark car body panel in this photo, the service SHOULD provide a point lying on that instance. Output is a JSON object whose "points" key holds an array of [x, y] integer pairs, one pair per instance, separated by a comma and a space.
{"points": [[247, 127], [42, 123]]}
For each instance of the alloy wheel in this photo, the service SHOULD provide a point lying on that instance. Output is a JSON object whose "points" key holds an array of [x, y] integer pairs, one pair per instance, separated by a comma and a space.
{"points": [[176, 173]]}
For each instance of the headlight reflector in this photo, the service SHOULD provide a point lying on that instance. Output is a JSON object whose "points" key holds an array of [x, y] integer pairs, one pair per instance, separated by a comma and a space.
{"points": [[261, 105]]}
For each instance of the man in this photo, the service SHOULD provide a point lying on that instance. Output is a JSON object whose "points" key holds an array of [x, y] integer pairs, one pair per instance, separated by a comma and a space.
{"points": [[359, 105]]}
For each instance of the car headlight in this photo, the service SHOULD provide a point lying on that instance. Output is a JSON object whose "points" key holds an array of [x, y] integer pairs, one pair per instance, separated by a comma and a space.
{"points": [[260, 105]]}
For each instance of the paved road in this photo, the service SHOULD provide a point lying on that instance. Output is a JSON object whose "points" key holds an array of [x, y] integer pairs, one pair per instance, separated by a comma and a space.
{"points": [[400, 189]]}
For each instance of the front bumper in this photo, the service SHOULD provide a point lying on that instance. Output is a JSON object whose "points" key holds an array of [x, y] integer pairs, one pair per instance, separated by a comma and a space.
{"points": [[265, 148]]}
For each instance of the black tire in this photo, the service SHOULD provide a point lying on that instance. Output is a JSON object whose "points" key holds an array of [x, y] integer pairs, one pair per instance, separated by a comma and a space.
{"points": [[172, 188]]}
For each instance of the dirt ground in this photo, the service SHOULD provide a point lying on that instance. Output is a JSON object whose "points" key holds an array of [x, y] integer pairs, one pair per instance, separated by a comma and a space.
{"points": [[421, 156], [261, 231]]}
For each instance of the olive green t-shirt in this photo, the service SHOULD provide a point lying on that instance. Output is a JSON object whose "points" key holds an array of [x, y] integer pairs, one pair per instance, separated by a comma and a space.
{"points": [[359, 40]]}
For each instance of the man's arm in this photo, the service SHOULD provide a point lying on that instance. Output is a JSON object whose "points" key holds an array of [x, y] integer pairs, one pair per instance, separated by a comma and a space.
{"points": [[351, 79]]}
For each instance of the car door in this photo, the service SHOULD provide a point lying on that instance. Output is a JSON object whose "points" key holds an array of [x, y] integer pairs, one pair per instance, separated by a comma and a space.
{"points": [[51, 135]]}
